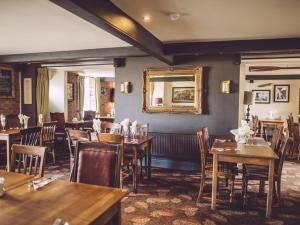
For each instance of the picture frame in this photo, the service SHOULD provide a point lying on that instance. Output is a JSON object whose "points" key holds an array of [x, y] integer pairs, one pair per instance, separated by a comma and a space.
{"points": [[183, 94], [7, 82], [70, 91], [262, 96], [281, 93]]}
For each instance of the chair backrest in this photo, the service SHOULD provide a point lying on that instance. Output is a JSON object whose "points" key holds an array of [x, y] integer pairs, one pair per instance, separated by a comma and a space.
{"points": [[207, 138], [60, 119], [115, 139], [13, 121], [28, 159], [284, 148], [290, 125], [109, 127], [89, 115], [275, 142], [295, 132], [202, 149], [290, 116], [255, 123], [48, 131], [31, 136], [76, 135], [98, 164], [143, 129]]}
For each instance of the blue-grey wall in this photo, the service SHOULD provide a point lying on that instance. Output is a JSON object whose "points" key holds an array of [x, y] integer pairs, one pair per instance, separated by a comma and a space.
{"points": [[222, 108]]}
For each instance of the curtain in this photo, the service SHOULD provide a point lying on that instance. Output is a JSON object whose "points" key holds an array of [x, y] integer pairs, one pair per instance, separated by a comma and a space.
{"points": [[42, 93], [98, 94], [80, 99]]}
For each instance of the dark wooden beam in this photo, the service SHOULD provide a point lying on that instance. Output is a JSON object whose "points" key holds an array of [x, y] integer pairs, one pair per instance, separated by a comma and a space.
{"points": [[273, 77], [232, 47], [84, 55], [107, 16]]}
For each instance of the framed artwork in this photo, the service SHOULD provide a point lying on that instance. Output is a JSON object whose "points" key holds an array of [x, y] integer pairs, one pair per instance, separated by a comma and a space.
{"points": [[282, 93], [7, 82], [261, 96], [27, 91], [183, 94], [70, 91]]}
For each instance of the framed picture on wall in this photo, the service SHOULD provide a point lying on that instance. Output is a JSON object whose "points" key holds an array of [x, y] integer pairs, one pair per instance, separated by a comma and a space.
{"points": [[261, 96], [183, 94], [7, 82], [70, 91], [282, 93]]}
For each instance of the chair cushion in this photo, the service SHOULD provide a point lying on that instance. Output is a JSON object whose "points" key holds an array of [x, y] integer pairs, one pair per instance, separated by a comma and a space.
{"points": [[97, 167]]}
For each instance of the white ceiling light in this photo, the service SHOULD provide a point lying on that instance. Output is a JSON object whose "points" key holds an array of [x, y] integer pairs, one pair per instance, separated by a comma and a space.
{"points": [[174, 16]]}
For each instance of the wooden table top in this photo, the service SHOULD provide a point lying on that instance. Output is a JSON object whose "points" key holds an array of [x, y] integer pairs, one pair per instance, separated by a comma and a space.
{"points": [[138, 140], [72, 202], [13, 180], [79, 122], [9, 131], [259, 149]]}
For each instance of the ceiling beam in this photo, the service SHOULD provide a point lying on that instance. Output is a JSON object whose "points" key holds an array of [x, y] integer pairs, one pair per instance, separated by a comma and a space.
{"points": [[107, 16], [79, 55], [232, 47]]}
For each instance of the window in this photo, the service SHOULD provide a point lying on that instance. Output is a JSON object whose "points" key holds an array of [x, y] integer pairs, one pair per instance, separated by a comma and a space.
{"points": [[89, 94]]}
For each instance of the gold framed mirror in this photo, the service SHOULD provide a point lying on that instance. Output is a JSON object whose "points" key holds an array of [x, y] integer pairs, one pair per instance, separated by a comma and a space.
{"points": [[173, 90]]}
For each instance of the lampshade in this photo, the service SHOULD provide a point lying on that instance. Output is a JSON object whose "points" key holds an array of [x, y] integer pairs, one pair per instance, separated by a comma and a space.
{"points": [[247, 97]]}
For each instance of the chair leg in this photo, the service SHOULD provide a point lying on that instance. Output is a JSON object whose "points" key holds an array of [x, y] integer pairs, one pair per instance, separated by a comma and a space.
{"points": [[53, 154], [226, 182], [278, 191], [201, 188], [232, 189], [245, 191]]}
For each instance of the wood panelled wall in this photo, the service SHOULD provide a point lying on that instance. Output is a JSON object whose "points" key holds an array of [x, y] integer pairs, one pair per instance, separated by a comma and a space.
{"points": [[11, 105]]}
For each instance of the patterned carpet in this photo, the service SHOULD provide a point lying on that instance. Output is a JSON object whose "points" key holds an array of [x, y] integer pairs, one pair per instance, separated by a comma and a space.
{"points": [[169, 199]]}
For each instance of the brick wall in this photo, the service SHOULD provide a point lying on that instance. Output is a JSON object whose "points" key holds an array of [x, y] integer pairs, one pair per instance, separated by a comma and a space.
{"points": [[11, 105], [72, 105]]}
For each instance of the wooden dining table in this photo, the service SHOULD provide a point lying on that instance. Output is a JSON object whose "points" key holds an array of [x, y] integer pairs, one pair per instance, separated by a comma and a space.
{"points": [[72, 202], [256, 153], [8, 136]]}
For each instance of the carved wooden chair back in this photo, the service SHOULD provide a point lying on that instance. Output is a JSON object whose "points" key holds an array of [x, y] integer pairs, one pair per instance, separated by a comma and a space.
{"points": [[13, 121], [48, 131], [31, 136], [202, 149], [60, 119], [143, 129], [109, 127], [277, 134], [32, 158]]}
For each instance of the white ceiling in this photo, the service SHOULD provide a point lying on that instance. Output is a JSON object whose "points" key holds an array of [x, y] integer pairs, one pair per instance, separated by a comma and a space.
{"points": [[210, 20], [30, 26]]}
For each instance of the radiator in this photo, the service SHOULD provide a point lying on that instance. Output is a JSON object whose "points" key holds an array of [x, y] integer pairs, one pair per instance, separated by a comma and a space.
{"points": [[179, 146]]}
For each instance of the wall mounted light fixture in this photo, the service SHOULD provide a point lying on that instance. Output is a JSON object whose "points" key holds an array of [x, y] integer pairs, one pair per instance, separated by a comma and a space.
{"points": [[126, 87], [226, 86]]}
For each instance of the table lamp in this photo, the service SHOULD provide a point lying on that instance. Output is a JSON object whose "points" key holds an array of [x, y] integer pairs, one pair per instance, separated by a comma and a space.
{"points": [[248, 102]]}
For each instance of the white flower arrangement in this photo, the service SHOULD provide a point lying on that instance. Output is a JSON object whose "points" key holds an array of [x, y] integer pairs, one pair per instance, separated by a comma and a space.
{"points": [[23, 120], [242, 133]]}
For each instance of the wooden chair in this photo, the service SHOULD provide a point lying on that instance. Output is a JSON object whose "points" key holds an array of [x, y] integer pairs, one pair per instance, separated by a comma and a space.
{"points": [[126, 163], [89, 115], [290, 124], [255, 125], [74, 136], [225, 170], [296, 141], [113, 128], [13, 121], [48, 137], [275, 141], [98, 164], [32, 158], [61, 124], [261, 173], [31, 136]]}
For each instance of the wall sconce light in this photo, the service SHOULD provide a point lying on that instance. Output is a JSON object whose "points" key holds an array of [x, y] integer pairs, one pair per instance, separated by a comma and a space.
{"points": [[226, 86], [126, 87]]}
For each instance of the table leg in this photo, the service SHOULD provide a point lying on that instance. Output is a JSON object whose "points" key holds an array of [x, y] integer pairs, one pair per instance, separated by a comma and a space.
{"points": [[270, 191], [149, 155], [8, 152], [214, 182], [116, 220], [135, 168]]}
